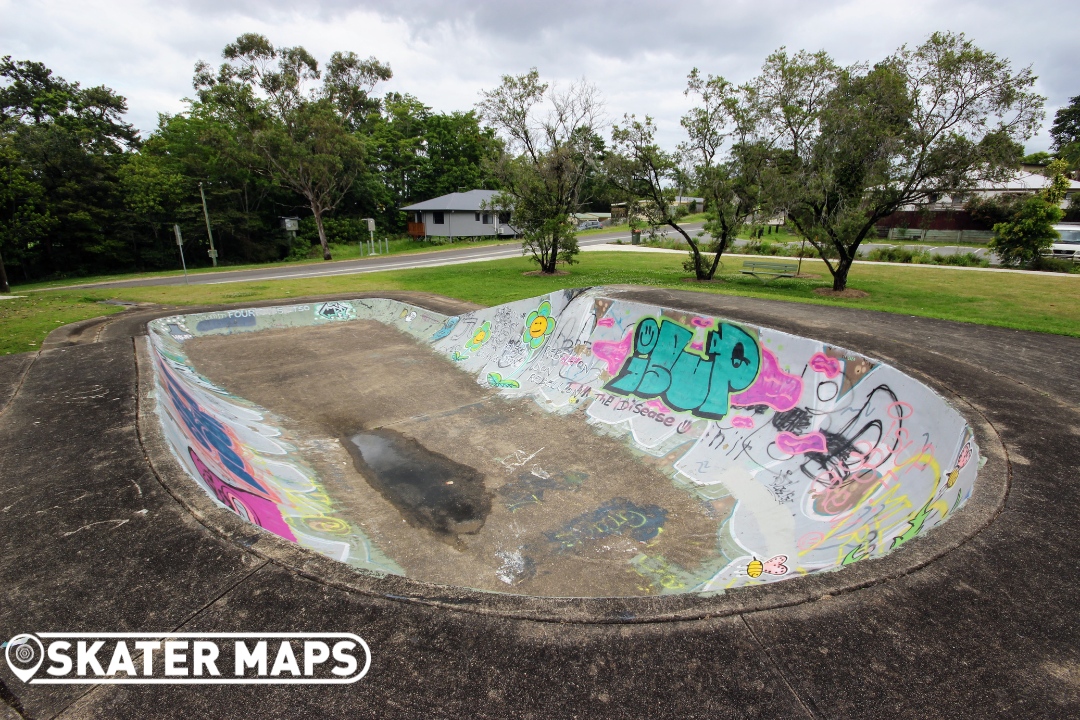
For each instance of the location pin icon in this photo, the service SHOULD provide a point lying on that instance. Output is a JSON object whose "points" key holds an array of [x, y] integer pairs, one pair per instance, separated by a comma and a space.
{"points": [[26, 649]]}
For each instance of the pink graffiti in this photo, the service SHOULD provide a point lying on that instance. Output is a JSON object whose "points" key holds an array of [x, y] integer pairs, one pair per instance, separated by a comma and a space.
{"points": [[827, 366], [795, 444], [775, 565], [773, 387], [605, 322], [742, 421], [701, 322], [697, 345], [251, 507], [965, 455], [613, 353], [658, 406]]}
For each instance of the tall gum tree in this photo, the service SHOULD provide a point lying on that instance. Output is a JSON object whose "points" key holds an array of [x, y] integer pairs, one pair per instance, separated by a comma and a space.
{"points": [[853, 145], [306, 135], [647, 177], [722, 157], [549, 152], [727, 158]]}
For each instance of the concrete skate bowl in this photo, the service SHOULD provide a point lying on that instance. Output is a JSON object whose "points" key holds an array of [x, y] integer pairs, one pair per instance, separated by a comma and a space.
{"points": [[573, 446]]}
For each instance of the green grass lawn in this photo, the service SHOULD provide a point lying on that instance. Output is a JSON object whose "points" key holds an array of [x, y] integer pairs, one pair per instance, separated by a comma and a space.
{"points": [[1044, 303]]}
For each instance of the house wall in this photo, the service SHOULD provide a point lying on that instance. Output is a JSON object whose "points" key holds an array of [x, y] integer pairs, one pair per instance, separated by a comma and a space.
{"points": [[457, 224]]}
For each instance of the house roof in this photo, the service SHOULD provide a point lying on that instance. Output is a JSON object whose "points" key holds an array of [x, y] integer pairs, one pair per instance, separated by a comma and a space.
{"points": [[1024, 181], [463, 201]]}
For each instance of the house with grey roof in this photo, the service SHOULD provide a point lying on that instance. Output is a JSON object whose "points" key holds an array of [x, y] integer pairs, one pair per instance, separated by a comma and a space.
{"points": [[459, 214]]}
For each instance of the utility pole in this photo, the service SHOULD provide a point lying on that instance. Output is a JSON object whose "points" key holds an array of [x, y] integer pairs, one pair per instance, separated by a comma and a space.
{"points": [[180, 244], [209, 234]]}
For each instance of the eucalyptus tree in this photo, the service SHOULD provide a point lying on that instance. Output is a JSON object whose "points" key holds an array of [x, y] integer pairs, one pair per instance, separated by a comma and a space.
{"points": [[1065, 133], [728, 157], [853, 145], [549, 152], [305, 134], [646, 176], [722, 157]]}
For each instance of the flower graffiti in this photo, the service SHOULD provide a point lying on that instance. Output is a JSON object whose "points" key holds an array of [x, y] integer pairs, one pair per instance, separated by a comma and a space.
{"points": [[480, 337], [538, 326]]}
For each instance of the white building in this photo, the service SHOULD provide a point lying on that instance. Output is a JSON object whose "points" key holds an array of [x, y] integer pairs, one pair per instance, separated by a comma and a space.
{"points": [[1023, 182], [457, 215]]}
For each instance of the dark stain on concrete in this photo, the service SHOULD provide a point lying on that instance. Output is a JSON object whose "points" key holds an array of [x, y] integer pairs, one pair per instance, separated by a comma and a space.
{"points": [[429, 489]]}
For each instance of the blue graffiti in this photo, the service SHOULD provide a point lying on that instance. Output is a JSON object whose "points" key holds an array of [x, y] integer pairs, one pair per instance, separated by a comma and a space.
{"points": [[618, 516], [235, 319], [446, 329], [209, 432], [660, 365]]}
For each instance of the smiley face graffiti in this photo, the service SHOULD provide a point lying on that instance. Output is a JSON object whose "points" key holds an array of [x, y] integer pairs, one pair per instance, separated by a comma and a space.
{"points": [[538, 326]]}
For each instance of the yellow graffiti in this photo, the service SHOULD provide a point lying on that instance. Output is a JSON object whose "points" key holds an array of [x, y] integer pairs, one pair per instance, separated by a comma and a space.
{"points": [[892, 502]]}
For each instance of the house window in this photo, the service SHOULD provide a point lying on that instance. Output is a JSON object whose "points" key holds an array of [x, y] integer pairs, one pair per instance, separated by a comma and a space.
{"points": [[477, 217], [437, 218], [487, 219], [504, 218]]}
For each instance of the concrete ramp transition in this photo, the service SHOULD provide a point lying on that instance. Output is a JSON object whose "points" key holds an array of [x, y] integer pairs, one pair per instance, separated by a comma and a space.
{"points": [[573, 444]]}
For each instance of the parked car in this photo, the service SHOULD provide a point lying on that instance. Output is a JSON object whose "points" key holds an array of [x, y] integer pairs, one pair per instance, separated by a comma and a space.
{"points": [[1067, 247], [590, 225]]}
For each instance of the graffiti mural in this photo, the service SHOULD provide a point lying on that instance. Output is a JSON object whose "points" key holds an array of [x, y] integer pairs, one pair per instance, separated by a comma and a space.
{"points": [[662, 364], [809, 457]]}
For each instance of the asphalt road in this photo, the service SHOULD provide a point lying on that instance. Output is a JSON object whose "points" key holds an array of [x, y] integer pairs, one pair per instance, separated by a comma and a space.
{"points": [[455, 256], [465, 254]]}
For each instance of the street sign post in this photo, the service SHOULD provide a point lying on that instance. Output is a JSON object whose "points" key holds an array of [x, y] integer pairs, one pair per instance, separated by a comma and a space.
{"points": [[290, 225], [180, 244], [371, 237]]}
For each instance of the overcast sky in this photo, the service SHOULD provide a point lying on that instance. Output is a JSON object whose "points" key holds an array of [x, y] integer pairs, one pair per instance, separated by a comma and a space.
{"points": [[444, 53]]}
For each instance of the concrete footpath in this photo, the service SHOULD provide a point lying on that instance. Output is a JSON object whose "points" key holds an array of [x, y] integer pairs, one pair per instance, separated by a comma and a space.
{"points": [[91, 539]]}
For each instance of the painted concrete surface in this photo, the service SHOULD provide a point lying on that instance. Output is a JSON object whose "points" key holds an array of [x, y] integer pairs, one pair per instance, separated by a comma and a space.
{"points": [[806, 456]]}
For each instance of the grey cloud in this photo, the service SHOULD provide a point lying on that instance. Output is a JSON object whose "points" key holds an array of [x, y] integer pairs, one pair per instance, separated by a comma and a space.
{"points": [[444, 52]]}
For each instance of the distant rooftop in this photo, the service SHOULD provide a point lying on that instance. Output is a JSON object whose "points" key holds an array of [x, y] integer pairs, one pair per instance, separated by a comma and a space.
{"points": [[463, 201], [1024, 181]]}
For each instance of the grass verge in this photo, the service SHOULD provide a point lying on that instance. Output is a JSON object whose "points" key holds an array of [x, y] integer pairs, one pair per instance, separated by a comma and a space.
{"points": [[340, 253], [1049, 304]]}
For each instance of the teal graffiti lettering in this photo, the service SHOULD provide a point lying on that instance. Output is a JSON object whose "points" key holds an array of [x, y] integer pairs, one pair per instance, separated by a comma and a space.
{"points": [[700, 382]]}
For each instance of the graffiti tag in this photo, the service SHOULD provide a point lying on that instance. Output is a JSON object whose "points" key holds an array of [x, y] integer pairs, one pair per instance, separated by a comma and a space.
{"points": [[660, 366]]}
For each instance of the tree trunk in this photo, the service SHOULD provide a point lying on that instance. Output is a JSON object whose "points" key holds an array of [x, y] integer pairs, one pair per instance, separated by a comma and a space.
{"points": [[720, 249], [700, 271], [317, 212], [839, 278], [548, 266], [4, 288]]}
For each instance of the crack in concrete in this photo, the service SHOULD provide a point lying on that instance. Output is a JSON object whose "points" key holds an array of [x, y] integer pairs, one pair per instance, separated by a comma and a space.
{"points": [[807, 705]]}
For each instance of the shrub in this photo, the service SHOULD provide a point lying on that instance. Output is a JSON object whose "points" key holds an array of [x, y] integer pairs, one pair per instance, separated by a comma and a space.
{"points": [[891, 254], [968, 259], [1049, 264]]}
